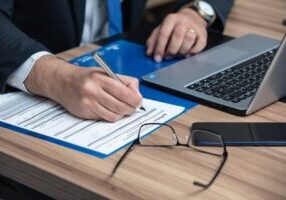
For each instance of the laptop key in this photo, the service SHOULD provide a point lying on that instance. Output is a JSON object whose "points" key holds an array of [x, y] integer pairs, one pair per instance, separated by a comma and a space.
{"points": [[236, 94], [214, 83], [209, 92], [248, 94], [235, 100], [227, 98], [242, 97], [200, 89], [218, 95]]}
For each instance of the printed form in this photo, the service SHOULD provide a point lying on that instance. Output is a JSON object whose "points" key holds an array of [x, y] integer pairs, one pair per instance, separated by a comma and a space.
{"points": [[45, 117]]}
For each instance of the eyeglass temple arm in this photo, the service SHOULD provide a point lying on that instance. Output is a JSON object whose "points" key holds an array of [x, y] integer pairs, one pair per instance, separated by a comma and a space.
{"points": [[205, 186], [122, 159]]}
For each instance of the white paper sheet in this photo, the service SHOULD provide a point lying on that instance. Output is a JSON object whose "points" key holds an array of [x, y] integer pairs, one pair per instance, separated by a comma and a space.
{"points": [[47, 118]]}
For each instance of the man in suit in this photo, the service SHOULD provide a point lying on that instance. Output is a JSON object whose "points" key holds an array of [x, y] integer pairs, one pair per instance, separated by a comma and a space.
{"points": [[32, 31]]}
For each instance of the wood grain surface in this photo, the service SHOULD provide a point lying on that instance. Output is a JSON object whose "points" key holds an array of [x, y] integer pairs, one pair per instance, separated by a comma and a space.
{"points": [[157, 173], [263, 17]]}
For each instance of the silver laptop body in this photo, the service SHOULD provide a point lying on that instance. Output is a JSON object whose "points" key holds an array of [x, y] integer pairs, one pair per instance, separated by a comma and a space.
{"points": [[183, 75]]}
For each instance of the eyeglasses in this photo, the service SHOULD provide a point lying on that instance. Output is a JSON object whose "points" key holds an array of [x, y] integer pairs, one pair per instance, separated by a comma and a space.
{"points": [[168, 137]]}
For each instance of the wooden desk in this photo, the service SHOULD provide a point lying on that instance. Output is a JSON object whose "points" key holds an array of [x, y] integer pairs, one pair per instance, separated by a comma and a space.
{"points": [[263, 17], [250, 172]]}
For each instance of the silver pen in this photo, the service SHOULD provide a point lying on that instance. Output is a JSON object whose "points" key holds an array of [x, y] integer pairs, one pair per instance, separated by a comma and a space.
{"points": [[108, 71]]}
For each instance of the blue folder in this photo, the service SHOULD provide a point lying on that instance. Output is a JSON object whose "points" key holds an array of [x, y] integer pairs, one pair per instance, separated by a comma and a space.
{"points": [[125, 58], [130, 59]]}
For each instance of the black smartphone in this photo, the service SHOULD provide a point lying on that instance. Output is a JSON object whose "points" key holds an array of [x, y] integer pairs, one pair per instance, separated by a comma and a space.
{"points": [[242, 134]]}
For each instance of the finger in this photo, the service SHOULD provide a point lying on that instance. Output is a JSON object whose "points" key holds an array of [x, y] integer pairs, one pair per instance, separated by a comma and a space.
{"points": [[189, 41], [176, 41], [201, 41], [114, 105], [121, 92], [164, 36], [151, 42], [132, 83], [104, 113]]}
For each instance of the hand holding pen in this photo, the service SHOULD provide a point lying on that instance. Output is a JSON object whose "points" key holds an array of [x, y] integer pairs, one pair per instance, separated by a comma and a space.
{"points": [[110, 73]]}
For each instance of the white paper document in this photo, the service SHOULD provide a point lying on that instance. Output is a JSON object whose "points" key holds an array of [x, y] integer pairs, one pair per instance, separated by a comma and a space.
{"points": [[45, 119]]}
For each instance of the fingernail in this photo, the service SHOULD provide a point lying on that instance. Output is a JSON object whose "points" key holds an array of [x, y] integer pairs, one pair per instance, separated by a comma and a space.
{"points": [[158, 58]]}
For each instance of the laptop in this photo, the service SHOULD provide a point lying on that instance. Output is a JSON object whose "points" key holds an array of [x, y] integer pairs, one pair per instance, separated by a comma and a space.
{"points": [[240, 76]]}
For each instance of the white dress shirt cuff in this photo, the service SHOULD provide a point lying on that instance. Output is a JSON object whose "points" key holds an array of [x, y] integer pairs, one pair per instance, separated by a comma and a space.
{"points": [[17, 78]]}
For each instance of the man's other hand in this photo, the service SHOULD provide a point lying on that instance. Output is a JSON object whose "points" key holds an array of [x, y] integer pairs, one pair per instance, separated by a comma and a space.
{"points": [[180, 34]]}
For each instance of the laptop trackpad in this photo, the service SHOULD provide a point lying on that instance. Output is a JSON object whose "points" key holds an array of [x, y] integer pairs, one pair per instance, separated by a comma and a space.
{"points": [[222, 56]]}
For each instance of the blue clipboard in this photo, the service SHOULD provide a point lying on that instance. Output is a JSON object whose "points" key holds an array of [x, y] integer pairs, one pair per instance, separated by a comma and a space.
{"points": [[125, 58], [130, 59]]}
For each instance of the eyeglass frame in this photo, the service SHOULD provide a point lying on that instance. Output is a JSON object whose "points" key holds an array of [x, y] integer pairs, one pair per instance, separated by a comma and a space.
{"points": [[224, 155]]}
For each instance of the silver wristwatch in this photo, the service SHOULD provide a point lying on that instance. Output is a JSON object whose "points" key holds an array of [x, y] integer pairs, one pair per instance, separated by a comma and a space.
{"points": [[204, 9]]}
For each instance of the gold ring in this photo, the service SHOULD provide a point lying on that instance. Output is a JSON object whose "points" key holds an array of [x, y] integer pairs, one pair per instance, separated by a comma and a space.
{"points": [[192, 30]]}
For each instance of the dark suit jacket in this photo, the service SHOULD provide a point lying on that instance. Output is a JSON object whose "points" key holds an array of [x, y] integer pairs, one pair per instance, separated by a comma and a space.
{"points": [[30, 26]]}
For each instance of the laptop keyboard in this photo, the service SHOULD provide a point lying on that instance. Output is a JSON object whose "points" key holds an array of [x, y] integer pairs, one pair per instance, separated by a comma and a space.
{"points": [[236, 83]]}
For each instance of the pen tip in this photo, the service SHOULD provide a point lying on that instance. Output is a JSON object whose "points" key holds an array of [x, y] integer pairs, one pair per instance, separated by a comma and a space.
{"points": [[142, 108]]}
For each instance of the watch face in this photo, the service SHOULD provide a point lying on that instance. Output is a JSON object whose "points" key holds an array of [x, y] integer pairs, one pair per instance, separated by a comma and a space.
{"points": [[206, 8]]}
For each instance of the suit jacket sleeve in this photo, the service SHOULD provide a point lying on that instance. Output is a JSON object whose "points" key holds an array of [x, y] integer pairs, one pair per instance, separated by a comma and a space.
{"points": [[222, 8], [16, 46]]}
